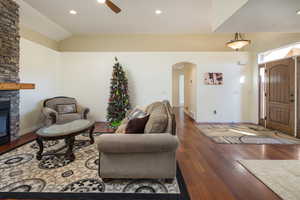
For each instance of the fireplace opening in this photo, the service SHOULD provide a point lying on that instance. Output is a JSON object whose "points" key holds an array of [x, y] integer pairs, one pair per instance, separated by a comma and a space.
{"points": [[4, 122]]}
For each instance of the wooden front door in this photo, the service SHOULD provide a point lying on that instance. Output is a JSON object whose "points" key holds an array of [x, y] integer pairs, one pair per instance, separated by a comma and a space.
{"points": [[280, 97]]}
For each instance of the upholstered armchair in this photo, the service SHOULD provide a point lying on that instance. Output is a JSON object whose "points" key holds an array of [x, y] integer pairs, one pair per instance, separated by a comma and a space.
{"points": [[60, 110]]}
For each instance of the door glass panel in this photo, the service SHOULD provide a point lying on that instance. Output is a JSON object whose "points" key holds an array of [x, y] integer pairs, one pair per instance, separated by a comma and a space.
{"points": [[262, 93]]}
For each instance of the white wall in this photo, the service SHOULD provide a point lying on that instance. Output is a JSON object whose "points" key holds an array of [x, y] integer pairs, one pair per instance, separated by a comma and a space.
{"points": [[39, 65], [175, 86], [232, 99], [255, 87], [190, 92], [86, 76]]}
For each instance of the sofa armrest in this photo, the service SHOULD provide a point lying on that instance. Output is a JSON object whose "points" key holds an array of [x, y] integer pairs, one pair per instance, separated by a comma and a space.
{"points": [[83, 111], [50, 114], [137, 143]]}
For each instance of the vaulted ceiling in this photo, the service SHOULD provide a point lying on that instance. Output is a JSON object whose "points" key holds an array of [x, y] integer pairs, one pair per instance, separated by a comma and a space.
{"points": [[52, 17], [137, 16], [264, 16]]}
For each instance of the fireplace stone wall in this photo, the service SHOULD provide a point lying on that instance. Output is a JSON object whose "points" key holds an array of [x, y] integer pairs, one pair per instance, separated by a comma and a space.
{"points": [[9, 59]]}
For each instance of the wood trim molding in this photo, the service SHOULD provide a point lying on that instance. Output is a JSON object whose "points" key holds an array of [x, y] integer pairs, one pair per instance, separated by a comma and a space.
{"points": [[17, 86], [261, 121]]}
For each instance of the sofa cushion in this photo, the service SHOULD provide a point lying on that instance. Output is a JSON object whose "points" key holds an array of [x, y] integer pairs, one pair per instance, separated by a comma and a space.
{"points": [[174, 130], [156, 106], [137, 125], [157, 123], [121, 129], [158, 120], [51, 103], [136, 113], [169, 113], [66, 108]]}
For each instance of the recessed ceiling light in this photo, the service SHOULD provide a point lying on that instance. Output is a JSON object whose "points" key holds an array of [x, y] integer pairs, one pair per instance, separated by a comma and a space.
{"points": [[73, 12], [298, 12], [101, 1], [158, 12]]}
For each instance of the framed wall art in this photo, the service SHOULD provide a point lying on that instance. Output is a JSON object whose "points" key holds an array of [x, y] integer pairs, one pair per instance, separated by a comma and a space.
{"points": [[212, 78]]}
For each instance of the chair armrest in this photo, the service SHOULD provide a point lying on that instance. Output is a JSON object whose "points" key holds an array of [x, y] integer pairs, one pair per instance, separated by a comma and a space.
{"points": [[137, 143], [83, 111], [50, 114]]}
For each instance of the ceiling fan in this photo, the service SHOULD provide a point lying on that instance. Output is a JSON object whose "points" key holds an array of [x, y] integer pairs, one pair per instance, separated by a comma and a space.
{"points": [[111, 5]]}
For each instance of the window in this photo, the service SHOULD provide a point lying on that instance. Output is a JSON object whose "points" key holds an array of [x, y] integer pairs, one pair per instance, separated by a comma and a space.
{"points": [[262, 92], [283, 52]]}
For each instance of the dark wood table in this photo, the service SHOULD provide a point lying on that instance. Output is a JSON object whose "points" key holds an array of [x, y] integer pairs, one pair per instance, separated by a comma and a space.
{"points": [[68, 132]]}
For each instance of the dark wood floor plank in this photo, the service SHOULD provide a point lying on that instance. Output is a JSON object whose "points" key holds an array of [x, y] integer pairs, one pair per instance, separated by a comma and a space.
{"points": [[22, 140]]}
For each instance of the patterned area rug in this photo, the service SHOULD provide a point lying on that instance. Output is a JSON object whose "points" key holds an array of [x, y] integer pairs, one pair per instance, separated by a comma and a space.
{"points": [[245, 134], [22, 175], [281, 176]]}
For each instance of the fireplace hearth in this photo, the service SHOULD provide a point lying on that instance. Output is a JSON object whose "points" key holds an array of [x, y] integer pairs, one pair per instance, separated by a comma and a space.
{"points": [[4, 122]]}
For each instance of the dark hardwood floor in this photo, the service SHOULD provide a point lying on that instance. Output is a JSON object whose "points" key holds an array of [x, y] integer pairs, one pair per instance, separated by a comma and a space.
{"points": [[211, 170]]}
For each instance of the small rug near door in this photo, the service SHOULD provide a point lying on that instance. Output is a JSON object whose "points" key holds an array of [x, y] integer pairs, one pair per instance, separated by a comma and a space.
{"points": [[22, 176], [245, 134], [281, 176]]}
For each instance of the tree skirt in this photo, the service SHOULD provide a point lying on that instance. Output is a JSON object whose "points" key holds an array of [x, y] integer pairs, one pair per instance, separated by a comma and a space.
{"points": [[23, 176]]}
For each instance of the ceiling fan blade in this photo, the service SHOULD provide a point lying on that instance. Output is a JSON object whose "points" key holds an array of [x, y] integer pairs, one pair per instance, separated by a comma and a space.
{"points": [[113, 6]]}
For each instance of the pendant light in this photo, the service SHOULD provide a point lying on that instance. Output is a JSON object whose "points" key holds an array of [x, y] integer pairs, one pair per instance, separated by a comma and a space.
{"points": [[238, 42]]}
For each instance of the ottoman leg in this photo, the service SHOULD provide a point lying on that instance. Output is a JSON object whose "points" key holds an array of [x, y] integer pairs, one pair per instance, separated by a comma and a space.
{"points": [[39, 140], [91, 135], [70, 142]]}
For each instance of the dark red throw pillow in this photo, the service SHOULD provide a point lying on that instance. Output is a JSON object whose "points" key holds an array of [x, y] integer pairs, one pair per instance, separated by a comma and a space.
{"points": [[137, 125]]}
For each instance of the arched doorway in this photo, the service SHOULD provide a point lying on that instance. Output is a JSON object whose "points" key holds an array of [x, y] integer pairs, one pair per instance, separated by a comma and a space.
{"points": [[184, 87]]}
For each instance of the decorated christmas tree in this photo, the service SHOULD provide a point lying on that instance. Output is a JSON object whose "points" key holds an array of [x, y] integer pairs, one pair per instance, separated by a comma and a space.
{"points": [[118, 103]]}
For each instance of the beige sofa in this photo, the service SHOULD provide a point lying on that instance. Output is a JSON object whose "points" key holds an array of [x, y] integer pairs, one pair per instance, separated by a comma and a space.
{"points": [[146, 155]]}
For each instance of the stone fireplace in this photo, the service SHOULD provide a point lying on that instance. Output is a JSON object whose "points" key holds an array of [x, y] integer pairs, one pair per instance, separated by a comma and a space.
{"points": [[9, 69]]}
